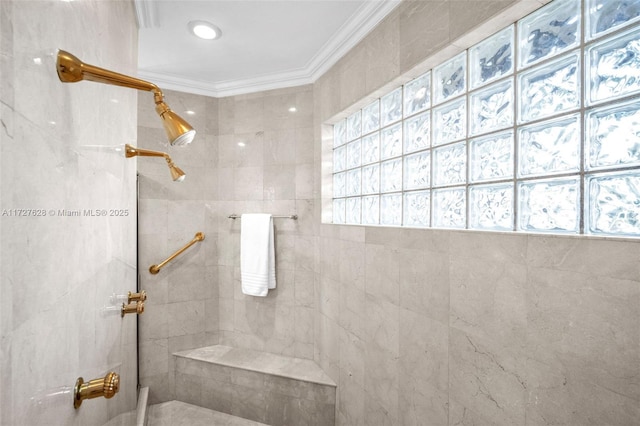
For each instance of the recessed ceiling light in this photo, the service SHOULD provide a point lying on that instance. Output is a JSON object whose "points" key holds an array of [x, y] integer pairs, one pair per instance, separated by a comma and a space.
{"points": [[189, 112], [293, 109], [241, 144], [205, 30]]}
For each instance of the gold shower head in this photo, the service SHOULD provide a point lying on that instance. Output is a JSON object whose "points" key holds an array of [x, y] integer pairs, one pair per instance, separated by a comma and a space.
{"points": [[71, 69], [176, 173]]}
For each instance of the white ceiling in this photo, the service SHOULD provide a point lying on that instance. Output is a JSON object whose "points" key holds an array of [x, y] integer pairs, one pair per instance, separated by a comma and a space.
{"points": [[265, 44]]}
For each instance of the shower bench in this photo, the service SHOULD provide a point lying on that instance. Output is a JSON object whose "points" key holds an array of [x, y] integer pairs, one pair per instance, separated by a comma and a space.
{"points": [[260, 386]]}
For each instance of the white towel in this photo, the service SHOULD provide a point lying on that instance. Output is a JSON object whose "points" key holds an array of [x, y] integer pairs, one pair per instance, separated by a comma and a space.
{"points": [[257, 254]]}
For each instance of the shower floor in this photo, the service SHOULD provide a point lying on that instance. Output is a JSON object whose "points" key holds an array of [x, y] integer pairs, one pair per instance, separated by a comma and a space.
{"points": [[176, 413]]}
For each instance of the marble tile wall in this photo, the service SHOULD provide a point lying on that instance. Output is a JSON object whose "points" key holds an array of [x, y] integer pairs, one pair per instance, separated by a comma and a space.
{"points": [[181, 311], [256, 385], [196, 300], [60, 268], [432, 327], [272, 173]]}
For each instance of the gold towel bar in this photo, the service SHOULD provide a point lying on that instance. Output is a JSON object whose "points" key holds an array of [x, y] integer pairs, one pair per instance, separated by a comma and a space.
{"points": [[154, 269], [291, 216]]}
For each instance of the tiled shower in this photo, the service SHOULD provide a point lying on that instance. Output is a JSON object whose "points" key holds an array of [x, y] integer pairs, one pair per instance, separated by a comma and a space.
{"points": [[414, 326]]}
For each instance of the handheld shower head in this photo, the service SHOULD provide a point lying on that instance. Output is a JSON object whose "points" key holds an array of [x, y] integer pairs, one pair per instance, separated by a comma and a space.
{"points": [[71, 70]]}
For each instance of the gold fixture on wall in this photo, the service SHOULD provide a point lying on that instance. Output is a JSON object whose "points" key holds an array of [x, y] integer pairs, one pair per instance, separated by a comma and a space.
{"points": [[154, 269], [71, 69], [176, 172], [137, 297], [106, 386], [132, 308]]}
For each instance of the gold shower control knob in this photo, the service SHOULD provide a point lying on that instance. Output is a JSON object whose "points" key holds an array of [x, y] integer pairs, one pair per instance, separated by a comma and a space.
{"points": [[141, 296], [132, 308], [106, 386]]}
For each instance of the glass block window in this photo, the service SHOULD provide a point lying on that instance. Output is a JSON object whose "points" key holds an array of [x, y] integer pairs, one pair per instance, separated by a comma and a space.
{"points": [[534, 129]]}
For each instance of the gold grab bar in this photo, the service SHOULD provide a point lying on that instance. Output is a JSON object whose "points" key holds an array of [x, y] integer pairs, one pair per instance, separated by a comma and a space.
{"points": [[154, 269]]}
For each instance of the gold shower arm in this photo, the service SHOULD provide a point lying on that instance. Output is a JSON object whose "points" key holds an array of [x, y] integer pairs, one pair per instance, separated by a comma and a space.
{"points": [[71, 70], [176, 172], [154, 269]]}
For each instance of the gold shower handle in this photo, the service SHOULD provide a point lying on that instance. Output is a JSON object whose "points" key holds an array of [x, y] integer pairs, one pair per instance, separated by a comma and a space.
{"points": [[132, 308], [137, 297], [154, 269], [106, 386]]}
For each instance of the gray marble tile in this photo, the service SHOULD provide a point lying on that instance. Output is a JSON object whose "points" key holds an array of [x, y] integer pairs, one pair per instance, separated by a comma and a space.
{"points": [[350, 400], [189, 389], [487, 378], [382, 272], [375, 412], [424, 283], [249, 403], [217, 395], [460, 415], [489, 299], [176, 413], [599, 257], [586, 328], [417, 40]]}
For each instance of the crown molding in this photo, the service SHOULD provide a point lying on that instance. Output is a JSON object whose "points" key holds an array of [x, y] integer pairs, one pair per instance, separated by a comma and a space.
{"points": [[350, 34], [226, 88]]}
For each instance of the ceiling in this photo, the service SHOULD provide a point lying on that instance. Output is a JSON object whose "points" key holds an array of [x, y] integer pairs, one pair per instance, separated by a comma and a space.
{"points": [[265, 44]]}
